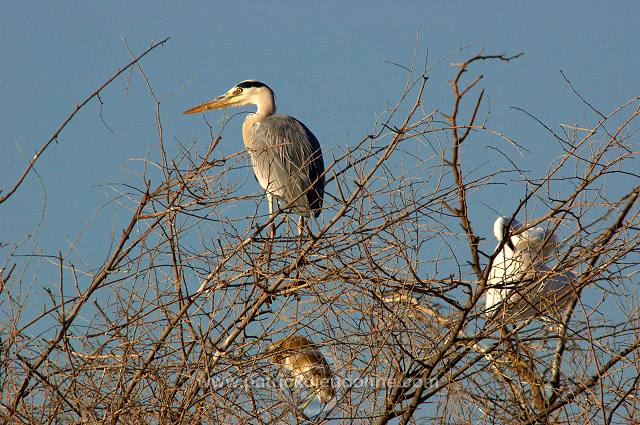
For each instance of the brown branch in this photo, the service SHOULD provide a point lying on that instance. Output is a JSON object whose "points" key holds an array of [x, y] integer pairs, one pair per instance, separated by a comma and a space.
{"points": [[68, 320], [631, 199], [581, 387]]}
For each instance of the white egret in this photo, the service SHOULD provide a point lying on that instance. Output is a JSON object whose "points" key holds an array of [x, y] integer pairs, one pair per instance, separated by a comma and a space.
{"points": [[521, 284]]}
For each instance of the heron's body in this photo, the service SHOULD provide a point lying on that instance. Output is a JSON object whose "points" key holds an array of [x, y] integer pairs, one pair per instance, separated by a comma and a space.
{"points": [[285, 155], [287, 169], [521, 285], [306, 364]]}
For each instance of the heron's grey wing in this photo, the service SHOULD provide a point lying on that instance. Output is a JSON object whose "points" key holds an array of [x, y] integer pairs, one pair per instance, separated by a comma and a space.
{"points": [[288, 162]]}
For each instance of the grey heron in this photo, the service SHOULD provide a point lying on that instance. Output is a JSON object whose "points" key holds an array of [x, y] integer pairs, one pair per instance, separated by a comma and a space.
{"points": [[521, 284], [304, 360], [286, 156]]}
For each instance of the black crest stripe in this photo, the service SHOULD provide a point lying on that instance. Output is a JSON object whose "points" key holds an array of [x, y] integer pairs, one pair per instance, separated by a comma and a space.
{"points": [[249, 84]]}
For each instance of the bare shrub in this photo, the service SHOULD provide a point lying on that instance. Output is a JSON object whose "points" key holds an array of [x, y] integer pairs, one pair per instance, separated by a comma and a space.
{"points": [[174, 325]]}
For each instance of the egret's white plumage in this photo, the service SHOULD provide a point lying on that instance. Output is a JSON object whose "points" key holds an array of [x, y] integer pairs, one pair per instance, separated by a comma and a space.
{"points": [[521, 284]]}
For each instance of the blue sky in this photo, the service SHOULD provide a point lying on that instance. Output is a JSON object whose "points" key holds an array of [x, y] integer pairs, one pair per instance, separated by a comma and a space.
{"points": [[327, 62]]}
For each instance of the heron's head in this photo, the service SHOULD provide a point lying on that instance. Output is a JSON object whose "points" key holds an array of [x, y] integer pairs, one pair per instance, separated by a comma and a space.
{"points": [[286, 347], [249, 92], [305, 362]]}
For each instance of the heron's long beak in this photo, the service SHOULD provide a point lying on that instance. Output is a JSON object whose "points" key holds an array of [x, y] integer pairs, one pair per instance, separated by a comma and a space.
{"points": [[217, 103]]}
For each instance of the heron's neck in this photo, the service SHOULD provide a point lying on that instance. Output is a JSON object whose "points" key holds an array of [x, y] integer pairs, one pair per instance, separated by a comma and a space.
{"points": [[266, 104]]}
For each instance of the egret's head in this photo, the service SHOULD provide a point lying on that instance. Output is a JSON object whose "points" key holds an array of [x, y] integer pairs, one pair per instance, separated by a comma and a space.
{"points": [[502, 228], [249, 92], [540, 240], [535, 239]]}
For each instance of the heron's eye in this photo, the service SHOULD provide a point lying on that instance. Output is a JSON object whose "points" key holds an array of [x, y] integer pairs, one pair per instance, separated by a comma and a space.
{"points": [[238, 90]]}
